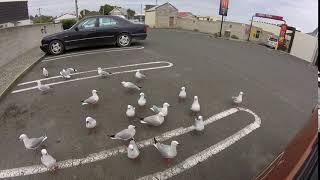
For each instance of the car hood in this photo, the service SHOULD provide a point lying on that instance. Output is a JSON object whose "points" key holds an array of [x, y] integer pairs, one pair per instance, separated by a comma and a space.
{"points": [[58, 34]]}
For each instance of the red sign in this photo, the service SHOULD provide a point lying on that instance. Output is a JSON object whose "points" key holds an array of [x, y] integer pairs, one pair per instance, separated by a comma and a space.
{"points": [[280, 18], [223, 7], [282, 36]]}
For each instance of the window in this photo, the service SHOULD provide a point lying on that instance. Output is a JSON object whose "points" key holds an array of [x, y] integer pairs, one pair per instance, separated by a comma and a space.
{"points": [[105, 21], [88, 23]]}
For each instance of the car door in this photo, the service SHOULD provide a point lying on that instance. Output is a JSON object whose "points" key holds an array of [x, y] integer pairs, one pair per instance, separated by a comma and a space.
{"points": [[107, 30], [85, 34]]}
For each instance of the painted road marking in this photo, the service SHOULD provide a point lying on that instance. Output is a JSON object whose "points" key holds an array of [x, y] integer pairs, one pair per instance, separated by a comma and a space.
{"points": [[36, 169], [169, 64], [91, 52], [207, 153]]}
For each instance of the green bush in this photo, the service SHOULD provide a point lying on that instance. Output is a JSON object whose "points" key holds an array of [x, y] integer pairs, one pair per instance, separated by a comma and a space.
{"points": [[68, 23], [234, 37]]}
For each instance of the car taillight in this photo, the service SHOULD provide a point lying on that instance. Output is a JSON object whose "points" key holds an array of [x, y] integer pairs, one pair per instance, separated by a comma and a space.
{"points": [[145, 29]]}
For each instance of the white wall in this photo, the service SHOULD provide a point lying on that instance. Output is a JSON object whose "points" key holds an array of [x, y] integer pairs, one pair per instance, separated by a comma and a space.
{"points": [[304, 46], [150, 19]]}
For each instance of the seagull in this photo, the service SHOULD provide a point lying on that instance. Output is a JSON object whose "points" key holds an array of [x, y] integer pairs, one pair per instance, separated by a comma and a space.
{"points": [[154, 120], [142, 100], [139, 75], [45, 72], [133, 150], [130, 111], [237, 99], [103, 73], [199, 124], [166, 151], [130, 85], [183, 93], [92, 99], [90, 123], [71, 70], [43, 87], [125, 134], [164, 109], [32, 143], [65, 74], [48, 161], [195, 107]]}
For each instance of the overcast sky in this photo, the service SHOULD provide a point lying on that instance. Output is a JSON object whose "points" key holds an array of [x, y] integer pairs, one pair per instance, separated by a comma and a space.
{"points": [[303, 14]]}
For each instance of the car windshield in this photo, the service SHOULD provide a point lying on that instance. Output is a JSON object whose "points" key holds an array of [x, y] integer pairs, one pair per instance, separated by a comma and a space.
{"points": [[158, 89]]}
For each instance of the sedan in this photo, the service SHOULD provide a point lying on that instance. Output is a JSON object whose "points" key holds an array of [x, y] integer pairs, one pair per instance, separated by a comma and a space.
{"points": [[94, 31]]}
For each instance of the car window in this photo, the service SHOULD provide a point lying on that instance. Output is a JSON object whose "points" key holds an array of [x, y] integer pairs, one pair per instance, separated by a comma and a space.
{"points": [[105, 21], [273, 39], [88, 23]]}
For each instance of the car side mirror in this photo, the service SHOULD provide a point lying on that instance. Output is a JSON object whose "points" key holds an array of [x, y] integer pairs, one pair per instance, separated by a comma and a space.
{"points": [[76, 29]]}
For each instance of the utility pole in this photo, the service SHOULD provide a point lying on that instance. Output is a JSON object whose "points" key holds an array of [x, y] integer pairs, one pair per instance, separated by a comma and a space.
{"points": [[141, 13], [220, 35], [76, 4], [39, 9], [156, 2]]}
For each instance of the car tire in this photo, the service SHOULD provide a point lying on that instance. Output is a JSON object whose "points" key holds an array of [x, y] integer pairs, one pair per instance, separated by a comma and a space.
{"points": [[56, 47], [124, 40]]}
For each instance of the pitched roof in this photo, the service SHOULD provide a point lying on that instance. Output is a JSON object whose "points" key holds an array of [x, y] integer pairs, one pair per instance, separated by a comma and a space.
{"points": [[184, 14], [156, 7]]}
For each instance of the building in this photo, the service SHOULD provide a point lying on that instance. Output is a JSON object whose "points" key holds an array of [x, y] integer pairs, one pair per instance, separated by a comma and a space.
{"points": [[139, 17], [64, 17], [14, 13], [187, 15], [119, 11], [209, 18], [162, 16]]}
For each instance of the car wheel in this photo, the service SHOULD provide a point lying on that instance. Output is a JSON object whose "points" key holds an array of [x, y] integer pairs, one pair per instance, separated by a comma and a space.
{"points": [[56, 47], [124, 40]]}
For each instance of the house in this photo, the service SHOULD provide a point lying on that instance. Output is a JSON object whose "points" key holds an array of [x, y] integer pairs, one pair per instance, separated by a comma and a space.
{"points": [[186, 15], [162, 16], [139, 17], [209, 18], [119, 11], [14, 13], [64, 17]]}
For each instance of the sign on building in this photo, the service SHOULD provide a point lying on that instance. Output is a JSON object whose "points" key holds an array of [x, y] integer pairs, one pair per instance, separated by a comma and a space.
{"points": [[224, 7], [280, 18]]}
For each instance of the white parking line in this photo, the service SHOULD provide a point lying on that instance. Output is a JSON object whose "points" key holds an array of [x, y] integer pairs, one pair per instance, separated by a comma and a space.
{"points": [[190, 162], [91, 52], [90, 77], [207, 153]]}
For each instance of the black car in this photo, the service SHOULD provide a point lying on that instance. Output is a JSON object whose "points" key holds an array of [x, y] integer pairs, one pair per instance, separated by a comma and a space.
{"points": [[94, 31]]}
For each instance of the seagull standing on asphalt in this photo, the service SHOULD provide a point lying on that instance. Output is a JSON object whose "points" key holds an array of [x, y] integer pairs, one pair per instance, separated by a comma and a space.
{"points": [[195, 107], [48, 161], [237, 99], [142, 100], [139, 75], [43, 87], [183, 93], [154, 120], [130, 111], [65, 74], [166, 151], [164, 109], [45, 72], [71, 70], [92, 99], [133, 150], [199, 124], [130, 85], [32, 143], [90, 123], [125, 134], [103, 73]]}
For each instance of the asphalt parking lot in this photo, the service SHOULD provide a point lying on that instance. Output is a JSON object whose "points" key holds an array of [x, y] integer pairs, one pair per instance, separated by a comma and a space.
{"points": [[279, 89]]}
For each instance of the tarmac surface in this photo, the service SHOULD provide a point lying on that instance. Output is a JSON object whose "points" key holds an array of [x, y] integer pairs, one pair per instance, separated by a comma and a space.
{"points": [[279, 88]]}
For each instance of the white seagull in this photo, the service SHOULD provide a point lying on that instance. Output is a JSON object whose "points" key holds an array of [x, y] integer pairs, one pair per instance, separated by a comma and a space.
{"points": [[47, 160], [199, 124], [90, 123], [45, 72], [32, 143], [103, 73], [166, 151], [154, 120], [92, 99], [65, 74], [133, 150], [142, 100], [125, 134], [139, 75], [195, 107], [237, 99], [130, 111], [183, 93], [130, 85], [164, 108], [43, 87]]}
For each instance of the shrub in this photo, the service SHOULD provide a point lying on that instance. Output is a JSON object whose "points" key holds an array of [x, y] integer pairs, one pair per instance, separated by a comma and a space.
{"points": [[68, 23], [196, 30], [234, 37]]}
